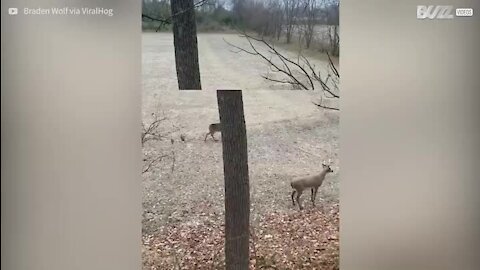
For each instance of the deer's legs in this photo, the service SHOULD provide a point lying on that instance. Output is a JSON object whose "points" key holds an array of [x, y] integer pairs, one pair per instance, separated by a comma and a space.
{"points": [[206, 135], [213, 136], [299, 193], [293, 200], [314, 195]]}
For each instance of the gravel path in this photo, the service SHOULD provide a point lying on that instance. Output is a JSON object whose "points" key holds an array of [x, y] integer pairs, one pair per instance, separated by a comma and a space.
{"points": [[287, 135]]}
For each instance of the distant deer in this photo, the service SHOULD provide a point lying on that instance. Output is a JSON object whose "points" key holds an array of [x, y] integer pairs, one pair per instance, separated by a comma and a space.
{"points": [[313, 182], [212, 129]]}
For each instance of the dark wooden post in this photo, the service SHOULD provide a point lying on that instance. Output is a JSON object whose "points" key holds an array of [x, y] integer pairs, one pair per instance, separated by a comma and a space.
{"points": [[185, 42], [237, 188]]}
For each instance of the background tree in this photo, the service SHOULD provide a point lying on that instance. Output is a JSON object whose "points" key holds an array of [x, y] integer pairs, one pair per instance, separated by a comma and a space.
{"points": [[186, 47], [334, 20], [291, 12], [276, 18], [309, 21]]}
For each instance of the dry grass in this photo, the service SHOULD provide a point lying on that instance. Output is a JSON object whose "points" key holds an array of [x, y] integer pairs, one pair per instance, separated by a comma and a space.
{"points": [[287, 137]]}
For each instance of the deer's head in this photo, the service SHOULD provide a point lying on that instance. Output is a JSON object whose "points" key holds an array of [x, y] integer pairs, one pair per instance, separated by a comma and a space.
{"points": [[327, 167]]}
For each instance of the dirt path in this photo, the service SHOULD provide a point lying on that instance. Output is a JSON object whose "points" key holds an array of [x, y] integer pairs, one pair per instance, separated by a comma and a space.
{"points": [[287, 135]]}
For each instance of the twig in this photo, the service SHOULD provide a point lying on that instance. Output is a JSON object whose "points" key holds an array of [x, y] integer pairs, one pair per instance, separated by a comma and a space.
{"points": [[155, 160], [326, 107], [279, 81], [164, 21], [173, 161], [332, 65], [151, 131]]}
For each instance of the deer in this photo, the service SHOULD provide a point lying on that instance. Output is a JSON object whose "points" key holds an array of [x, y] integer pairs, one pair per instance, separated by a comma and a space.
{"points": [[299, 184], [212, 129]]}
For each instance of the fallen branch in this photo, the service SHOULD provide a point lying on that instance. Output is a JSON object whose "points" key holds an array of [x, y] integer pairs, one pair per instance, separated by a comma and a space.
{"points": [[152, 162]]}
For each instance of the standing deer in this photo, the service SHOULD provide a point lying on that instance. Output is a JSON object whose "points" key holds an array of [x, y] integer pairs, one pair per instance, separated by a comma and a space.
{"points": [[212, 129], [299, 184]]}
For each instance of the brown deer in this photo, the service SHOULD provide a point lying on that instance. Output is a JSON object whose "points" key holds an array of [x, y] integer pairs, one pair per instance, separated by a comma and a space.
{"points": [[212, 129], [313, 182]]}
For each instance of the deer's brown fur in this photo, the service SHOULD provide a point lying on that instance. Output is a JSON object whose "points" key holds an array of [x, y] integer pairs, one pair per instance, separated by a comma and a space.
{"points": [[212, 129], [313, 182]]}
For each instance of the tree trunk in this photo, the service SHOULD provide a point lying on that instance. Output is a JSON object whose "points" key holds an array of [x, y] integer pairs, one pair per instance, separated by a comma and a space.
{"points": [[308, 41], [237, 190], [289, 35], [185, 42], [309, 34], [279, 32]]}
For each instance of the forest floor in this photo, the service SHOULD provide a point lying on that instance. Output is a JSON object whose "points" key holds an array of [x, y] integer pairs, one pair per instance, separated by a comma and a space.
{"points": [[288, 136]]}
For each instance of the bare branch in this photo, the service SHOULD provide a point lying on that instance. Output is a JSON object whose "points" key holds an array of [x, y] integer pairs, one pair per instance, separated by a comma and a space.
{"points": [[278, 81], [282, 58], [326, 107], [286, 71], [294, 71], [173, 161], [164, 21], [323, 106], [151, 131], [332, 65], [152, 162]]}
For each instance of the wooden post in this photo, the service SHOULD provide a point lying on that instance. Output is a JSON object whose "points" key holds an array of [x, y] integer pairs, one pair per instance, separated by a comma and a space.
{"points": [[185, 42], [237, 188]]}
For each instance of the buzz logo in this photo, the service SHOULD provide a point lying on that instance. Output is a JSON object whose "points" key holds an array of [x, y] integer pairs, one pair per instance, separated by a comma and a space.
{"points": [[434, 12]]}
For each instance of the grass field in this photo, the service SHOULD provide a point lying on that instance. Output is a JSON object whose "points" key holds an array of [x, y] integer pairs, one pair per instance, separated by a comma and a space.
{"points": [[287, 136]]}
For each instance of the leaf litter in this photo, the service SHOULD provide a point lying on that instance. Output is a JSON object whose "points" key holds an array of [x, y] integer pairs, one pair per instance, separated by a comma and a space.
{"points": [[307, 239]]}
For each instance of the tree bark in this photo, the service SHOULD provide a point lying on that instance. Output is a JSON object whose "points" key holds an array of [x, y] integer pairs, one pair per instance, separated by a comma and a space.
{"points": [[185, 42], [237, 190]]}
